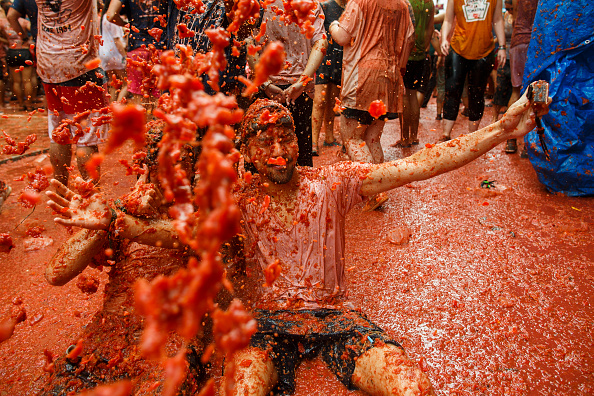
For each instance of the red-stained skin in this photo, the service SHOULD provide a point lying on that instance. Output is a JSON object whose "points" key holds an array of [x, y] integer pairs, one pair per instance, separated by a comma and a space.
{"points": [[480, 308], [468, 300]]}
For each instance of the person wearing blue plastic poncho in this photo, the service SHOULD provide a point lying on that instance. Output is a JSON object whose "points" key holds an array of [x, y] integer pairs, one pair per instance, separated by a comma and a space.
{"points": [[561, 52]]}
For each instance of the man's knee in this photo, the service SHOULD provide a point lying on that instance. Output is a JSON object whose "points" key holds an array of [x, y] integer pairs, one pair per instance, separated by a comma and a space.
{"points": [[254, 373], [386, 369]]}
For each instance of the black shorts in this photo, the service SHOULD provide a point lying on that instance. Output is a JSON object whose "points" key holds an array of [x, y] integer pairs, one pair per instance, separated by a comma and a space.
{"points": [[339, 337], [18, 57], [417, 74], [330, 71], [364, 117]]}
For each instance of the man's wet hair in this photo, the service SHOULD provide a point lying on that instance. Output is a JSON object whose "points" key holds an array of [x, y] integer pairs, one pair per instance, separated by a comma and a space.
{"points": [[153, 138], [252, 122]]}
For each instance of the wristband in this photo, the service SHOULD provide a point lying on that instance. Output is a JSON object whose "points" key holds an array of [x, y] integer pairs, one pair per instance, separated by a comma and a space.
{"points": [[265, 85], [502, 48]]}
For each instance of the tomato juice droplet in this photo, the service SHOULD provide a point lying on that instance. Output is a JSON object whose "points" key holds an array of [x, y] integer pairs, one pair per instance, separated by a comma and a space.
{"points": [[93, 64]]}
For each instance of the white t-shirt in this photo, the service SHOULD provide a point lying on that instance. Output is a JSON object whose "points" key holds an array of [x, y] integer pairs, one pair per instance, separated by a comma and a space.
{"points": [[66, 38], [311, 250], [111, 59]]}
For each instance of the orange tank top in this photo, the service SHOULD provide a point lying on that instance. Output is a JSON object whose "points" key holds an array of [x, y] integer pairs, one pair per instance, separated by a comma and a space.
{"points": [[473, 35]]}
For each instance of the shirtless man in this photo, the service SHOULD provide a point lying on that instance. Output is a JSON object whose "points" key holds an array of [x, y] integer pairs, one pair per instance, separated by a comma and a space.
{"points": [[293, 220]]}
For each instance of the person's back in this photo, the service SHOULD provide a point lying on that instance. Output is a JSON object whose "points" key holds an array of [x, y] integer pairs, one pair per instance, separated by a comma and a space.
{"points": [[371, 64], [64, 47], [423, 12], [524, 13], [141, 15], [27, 8], [111, 58]]}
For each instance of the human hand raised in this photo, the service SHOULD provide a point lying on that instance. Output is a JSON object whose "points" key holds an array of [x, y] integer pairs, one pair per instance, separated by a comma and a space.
{"points": [[91, 211], [519, 119]]}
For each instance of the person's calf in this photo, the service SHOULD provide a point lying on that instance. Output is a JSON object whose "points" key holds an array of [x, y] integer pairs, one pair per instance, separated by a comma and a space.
{"points": [[60, 157]]}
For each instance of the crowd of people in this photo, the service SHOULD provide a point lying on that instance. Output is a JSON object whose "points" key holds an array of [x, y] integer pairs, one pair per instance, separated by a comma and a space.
{"points": [[371, 61]]}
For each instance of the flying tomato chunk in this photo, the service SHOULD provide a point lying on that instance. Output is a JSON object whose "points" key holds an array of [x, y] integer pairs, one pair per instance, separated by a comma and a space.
{"points": [[129, 122], [377, 108]]}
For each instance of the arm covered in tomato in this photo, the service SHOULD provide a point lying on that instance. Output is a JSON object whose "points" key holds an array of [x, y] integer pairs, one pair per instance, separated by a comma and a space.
{"points": [[74, 256], [437, 159]]}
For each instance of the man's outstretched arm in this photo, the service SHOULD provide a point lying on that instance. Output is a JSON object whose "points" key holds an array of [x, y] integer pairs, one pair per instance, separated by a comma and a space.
{"points": [[447, 156]]}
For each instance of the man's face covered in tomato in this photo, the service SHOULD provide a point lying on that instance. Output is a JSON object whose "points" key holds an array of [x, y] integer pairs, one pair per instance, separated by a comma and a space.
{"points": [[269, 140]]}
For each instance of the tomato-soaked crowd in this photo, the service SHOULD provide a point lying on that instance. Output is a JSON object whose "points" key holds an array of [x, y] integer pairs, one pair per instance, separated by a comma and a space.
{"points": [[269, 229]]}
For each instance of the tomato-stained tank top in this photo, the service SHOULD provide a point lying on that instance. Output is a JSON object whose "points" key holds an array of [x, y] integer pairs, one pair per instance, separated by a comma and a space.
{"points": [[473, 34]]}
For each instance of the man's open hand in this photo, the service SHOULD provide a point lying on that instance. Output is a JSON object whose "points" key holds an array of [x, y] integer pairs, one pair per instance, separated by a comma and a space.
{"points": [[91, 212]]}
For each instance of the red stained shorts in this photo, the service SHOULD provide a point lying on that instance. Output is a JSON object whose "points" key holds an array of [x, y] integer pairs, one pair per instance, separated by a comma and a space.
{"points": [[65, 102]]}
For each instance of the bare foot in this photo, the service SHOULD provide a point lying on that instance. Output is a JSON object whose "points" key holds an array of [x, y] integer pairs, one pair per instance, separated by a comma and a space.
{"points": [[401, 143]]}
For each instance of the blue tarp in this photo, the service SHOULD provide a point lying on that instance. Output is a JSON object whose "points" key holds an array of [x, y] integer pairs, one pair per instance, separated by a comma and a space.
{"points": [[561, 52]]}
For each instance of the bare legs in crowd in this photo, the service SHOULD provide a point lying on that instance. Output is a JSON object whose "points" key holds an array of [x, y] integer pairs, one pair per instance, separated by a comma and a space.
{"points": [[323, 114]]}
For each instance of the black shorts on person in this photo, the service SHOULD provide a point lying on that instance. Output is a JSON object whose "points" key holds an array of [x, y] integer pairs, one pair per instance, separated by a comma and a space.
{"points": [[338, 336], [417, 74], [330, 71], [19, 57], [364, 117]]}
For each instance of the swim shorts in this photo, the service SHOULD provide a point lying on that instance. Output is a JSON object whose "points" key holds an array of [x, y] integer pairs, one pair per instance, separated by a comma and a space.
{"points": [[364, 117], [417, 74], [339, 337]]}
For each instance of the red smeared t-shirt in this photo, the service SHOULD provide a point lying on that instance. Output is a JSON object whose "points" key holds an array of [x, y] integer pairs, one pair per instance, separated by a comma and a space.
{"points": [[311, 250], [65, 42]]}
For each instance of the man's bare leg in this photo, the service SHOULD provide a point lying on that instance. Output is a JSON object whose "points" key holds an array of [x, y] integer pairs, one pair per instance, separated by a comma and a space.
{"points": [[512, 144], [60, 157], [83, 155], [317, 114], [473, 126], [415, 114], [405, 121], [255, 374], [448, 125], [386, 370], [332, 93], [353, 133], [372, 137]]}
